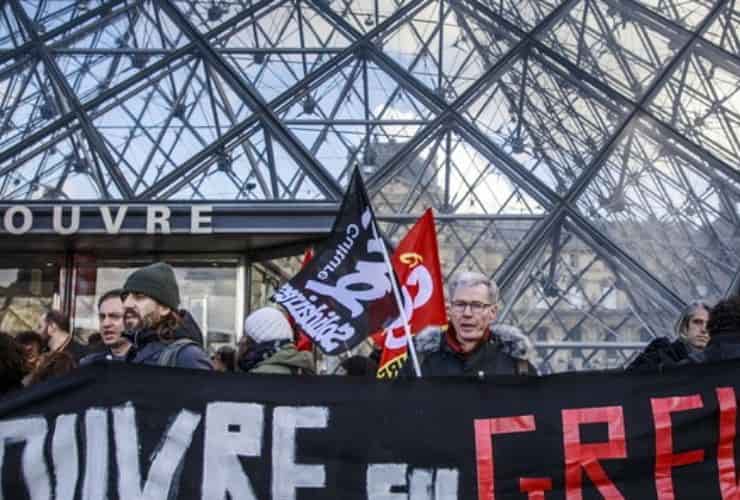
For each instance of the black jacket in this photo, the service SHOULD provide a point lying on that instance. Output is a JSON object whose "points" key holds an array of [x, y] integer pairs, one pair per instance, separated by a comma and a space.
{"points": [[103, 356], [147, 348], [505, 353], [720, 348], [659, 354]]}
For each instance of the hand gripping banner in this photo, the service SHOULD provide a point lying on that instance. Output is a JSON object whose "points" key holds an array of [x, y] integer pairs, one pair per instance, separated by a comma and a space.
{"points": [[125, 432], [346, 291]]}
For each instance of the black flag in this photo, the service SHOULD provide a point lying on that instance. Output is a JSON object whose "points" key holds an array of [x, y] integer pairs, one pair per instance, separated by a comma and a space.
{"points": [[345, 292]]}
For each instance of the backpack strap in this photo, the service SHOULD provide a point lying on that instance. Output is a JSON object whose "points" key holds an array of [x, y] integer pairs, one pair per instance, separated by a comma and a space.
{"points": [[169, 354]]}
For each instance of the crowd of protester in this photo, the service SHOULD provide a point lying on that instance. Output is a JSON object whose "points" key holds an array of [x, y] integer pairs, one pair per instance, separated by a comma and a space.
{"points": [[142, 323]]}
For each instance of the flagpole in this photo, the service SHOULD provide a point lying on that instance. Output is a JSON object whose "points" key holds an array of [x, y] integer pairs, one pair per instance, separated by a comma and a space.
{"points": [[397, 294]]}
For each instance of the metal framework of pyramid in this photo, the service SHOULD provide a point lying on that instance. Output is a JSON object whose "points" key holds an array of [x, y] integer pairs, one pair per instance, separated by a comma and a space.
{"points": [[582, 152]]}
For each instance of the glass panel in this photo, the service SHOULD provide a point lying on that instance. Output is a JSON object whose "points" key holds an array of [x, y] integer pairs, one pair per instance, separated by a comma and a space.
{"points": [[470, 244], [363, 15], [155, 130], [524, 13], [545, 121], [279, 45], [614, 45], [93, 60], [63, 168], [452, 176], [702, 101], [28, 288], [50, 15], [582, 310], [723, 32], [670, 209], [447, 46], [688, 14], [28, 102], [358, 114], [207, 292]]}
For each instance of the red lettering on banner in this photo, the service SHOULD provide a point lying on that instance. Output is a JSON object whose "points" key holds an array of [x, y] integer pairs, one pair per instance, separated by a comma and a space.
{"points": [[586, 456], [535, 487], [484, 429], [726, 447], [665, 459]]}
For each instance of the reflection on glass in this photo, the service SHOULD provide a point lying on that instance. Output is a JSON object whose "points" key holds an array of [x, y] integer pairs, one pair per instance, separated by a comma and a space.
{"points": [[670, 210], [28, 288]]}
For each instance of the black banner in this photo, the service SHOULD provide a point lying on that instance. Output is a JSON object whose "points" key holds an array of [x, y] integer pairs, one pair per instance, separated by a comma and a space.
{"points": [[136, 432], [345, 292]]}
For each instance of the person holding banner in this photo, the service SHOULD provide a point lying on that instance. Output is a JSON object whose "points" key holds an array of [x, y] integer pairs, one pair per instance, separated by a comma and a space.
{"points": [[470, 345]]}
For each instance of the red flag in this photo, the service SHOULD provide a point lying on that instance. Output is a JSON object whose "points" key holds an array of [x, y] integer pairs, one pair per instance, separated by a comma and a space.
{"points": [[416, 262], [302, 341]]}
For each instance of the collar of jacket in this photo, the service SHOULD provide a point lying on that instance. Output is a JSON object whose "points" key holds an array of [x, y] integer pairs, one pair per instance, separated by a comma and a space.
{"points": [[506, 337], [454, 345], [140, 338]]}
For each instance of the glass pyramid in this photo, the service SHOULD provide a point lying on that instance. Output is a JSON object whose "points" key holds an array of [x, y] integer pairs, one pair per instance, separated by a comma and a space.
{"points": [[582, 152]]}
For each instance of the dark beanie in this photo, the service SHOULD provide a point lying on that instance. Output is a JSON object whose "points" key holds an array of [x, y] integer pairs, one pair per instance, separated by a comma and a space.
{"points": [[156, 281]]}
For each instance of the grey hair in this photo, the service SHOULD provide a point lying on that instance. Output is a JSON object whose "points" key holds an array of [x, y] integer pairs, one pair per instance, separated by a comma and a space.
{"points": [[682, 325], [472, 278]]}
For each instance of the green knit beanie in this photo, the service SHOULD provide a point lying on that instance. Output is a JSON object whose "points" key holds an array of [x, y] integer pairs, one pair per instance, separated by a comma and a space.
{"points": [[156, 281]]}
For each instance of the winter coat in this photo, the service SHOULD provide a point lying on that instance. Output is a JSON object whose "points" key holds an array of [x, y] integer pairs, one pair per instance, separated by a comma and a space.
{"points": [[101, 357], [506, 352], [147, 348], [659, 354], [286, 361], [720, 348]]}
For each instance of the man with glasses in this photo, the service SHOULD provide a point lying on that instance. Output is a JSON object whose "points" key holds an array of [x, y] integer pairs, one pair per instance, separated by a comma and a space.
{"points": [[471, 345]]}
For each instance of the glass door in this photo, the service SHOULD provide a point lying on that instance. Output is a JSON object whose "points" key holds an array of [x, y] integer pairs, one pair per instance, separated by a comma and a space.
{"points": [[29, 286]]}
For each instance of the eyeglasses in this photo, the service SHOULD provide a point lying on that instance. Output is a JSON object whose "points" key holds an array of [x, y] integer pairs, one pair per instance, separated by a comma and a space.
{"points": [[459, 306]]}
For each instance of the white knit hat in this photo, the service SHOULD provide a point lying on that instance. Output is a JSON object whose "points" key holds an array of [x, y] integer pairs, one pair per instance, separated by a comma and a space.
{"points": [[267, 324]]}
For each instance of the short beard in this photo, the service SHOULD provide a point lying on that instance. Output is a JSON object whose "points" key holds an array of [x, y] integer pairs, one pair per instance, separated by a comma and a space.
{"points": [[151, 320]]}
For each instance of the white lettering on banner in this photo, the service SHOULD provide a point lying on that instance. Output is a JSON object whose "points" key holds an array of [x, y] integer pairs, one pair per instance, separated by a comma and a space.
{"points": [[420, 277], [233, 430], [382, 477], [157, 216], [113, 226], [421, 484], [64, 455], [445, 484], [287, 476], [57, 223], [32, 431], [25, 214], [323, 327], [96, 455], [165, 462], [200, 219]]}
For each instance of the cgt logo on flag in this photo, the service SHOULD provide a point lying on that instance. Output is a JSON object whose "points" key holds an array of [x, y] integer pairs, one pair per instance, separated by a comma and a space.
{"points": [[416, 263], [346, 291]]}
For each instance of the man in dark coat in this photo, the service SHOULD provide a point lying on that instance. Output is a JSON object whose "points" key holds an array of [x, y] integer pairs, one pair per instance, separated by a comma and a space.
{"points": [[110, 316], [724, 332], [470, 346], [151, 298], [692, 337], [54, 328]]}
